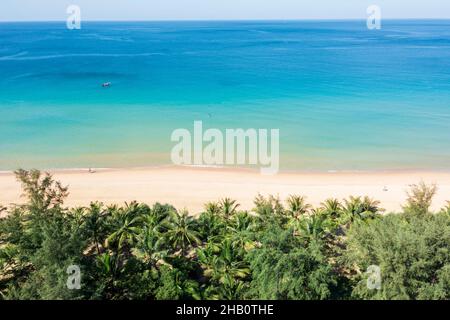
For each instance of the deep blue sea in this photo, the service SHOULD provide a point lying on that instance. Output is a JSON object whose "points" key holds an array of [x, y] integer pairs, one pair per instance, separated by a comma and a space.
{"points": [[344, 97]]}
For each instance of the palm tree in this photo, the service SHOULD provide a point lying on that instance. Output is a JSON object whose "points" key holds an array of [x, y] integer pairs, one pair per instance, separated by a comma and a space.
{"points": [[128, 225], [210, 225], [227, 261], [230, 289], [242, 221], [311, 228], [149, 247], [352, 208], [109, 270], [181, 231], [154, 220], [241, 228], [212, 208], [371, 206], [95, 225], [228, 207], [332, 208], [357, 208], [106, 264], [297, 206]]}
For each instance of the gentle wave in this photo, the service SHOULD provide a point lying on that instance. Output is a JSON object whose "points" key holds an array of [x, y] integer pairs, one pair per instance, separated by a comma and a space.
{"points": [[20, 56]]}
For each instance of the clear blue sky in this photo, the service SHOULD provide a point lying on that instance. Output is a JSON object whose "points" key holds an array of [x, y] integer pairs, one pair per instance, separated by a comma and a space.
{"points": [[25, 10]]}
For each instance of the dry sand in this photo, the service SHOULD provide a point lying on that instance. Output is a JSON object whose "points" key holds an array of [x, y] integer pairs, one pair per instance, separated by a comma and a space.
{"points": [[190, 188]]}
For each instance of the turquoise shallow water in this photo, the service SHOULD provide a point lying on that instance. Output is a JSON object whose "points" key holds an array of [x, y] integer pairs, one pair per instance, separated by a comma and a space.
{"points": [[343, 97]]}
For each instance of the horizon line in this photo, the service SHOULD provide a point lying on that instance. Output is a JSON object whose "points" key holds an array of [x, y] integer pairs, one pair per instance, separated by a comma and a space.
{"points": [[224, 20]]}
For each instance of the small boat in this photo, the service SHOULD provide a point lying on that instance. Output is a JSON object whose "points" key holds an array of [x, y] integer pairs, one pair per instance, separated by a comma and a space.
{"points": [[106, 84]]}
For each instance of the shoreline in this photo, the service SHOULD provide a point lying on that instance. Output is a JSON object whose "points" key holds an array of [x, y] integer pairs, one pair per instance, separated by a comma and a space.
{"points": [[192, 187], [255, 170]]}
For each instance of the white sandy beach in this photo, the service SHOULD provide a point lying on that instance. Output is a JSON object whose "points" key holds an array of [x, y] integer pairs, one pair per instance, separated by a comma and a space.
{"points": [[190, 188]]}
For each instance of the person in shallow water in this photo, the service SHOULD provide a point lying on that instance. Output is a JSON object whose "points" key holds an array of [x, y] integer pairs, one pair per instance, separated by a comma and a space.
{"points": [[106, 84]]}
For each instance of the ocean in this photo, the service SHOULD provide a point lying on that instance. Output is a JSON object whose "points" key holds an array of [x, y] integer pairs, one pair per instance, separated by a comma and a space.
{"points": [[344, 98]]}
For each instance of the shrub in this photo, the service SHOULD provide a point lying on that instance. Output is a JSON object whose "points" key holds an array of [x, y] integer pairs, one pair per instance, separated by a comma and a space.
{"points": [[412, 253]]}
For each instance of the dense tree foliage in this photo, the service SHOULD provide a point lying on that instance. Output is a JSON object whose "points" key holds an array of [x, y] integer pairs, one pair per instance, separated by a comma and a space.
{"points": [[278, 250]]}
